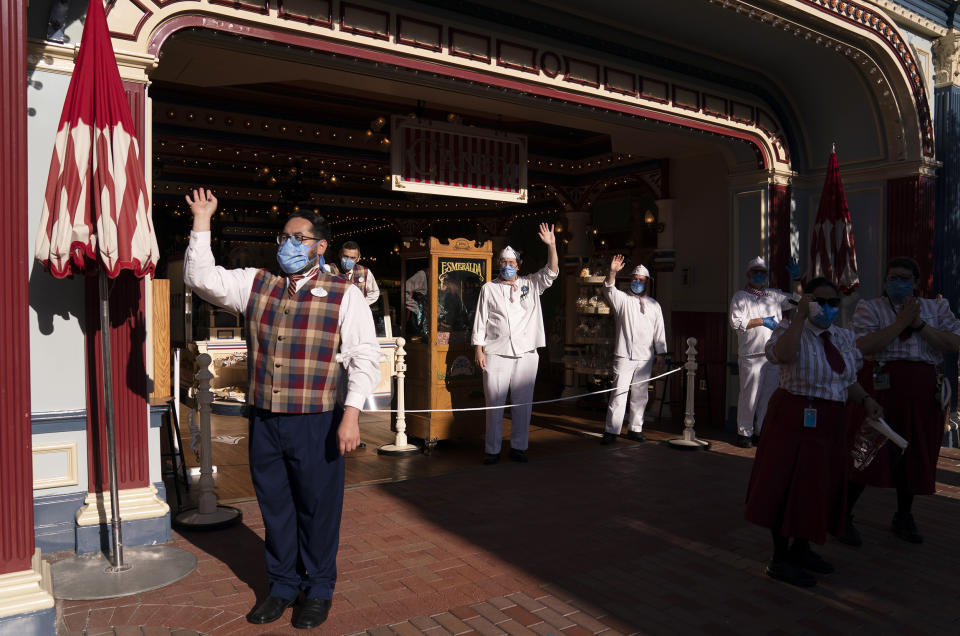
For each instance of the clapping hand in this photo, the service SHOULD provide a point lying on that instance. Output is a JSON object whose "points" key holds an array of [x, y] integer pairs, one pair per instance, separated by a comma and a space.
{"points": [[909, 314], [546, 234]]}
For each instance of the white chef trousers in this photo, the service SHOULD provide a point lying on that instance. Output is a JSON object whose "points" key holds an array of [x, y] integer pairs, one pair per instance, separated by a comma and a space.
{"points": [[759, 378], [516, 375], [627, 371]]}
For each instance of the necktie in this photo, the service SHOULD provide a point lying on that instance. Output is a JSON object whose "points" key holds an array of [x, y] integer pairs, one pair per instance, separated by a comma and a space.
{"points": [[834, 359], [293, 279]]}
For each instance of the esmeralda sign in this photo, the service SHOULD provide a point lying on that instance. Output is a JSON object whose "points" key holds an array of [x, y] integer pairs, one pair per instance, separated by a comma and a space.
{"points": [[447, 159]]}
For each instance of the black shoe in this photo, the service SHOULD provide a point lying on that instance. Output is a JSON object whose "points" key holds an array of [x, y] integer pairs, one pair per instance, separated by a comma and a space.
{"points": [[809, 560], [270, 610], [743, 441], [491, 458], [755, 439], [904, 527], [637, 436], [851, 536], [783, 571], [311, 613], [518, 455], [608, 438]]}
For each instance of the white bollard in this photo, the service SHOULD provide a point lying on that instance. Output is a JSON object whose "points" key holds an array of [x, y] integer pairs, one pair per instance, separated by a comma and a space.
{"points": [[689, 440], [400, 445], [208, 514]]}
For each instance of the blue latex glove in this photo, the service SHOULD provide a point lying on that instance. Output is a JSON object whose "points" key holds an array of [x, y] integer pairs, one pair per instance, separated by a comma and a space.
{"points": [[770, 323], [793, 268]]}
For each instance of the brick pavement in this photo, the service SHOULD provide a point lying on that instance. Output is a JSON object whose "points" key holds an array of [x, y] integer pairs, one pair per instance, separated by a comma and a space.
{"points": [[631, 539]]}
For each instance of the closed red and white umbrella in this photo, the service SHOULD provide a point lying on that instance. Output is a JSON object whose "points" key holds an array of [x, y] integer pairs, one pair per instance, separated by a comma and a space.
{"points": [[832, 252], [96, 206], [96, 211]]}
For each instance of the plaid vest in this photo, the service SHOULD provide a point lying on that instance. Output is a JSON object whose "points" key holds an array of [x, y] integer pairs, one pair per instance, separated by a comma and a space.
{"points": [[359, 271], [292, 344]]}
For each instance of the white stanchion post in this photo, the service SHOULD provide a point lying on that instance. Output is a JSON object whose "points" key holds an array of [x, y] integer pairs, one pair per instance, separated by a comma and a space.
{"points": [[400, 446], [208, 514], [689, 440]]}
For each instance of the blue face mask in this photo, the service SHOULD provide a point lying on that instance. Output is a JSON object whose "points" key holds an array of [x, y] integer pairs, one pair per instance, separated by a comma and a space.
{"points": [[826, 316], [507, 272], [637, 286], [758, 278], [898, 290], [348, 263], [293, 256]]}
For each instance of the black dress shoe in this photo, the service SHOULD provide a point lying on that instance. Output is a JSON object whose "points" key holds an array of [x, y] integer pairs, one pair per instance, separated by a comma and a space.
{"points": [[904, 527], [491, 458], [311, 613], [270, 610], [783, 571], [743, 441], [518, 455], [809, 560], [755, 439], [851, 536], [608, 438], [637, 436]]}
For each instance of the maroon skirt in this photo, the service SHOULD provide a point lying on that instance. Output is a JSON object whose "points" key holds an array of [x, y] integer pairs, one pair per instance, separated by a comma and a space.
{"points": [[799, 473], [911, 406]]}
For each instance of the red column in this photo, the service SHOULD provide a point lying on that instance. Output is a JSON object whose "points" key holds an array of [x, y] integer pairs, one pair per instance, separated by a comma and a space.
{"points": [[910, 213], [779, 235], [16, 468], [127, 349]]}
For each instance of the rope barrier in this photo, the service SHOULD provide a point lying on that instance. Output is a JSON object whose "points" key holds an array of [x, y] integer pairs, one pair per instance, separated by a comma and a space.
{"points": [[507, 406]]}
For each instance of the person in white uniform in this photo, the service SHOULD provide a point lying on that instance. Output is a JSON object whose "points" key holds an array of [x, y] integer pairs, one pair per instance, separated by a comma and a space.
{"points": [[507, 330], [641, 341], [755, 311]]}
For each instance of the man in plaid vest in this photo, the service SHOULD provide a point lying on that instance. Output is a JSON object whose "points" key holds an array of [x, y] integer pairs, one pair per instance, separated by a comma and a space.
{"points": [[300, 427], [357, 274]]}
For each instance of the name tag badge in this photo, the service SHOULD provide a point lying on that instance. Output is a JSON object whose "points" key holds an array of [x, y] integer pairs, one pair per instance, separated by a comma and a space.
{"points": [[810, 418], [881, 381], [319, 292]]}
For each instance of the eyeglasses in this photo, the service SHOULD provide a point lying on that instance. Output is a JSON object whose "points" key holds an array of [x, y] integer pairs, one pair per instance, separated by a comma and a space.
{"points": [[899, 279], [282, 238], [833, 302]]}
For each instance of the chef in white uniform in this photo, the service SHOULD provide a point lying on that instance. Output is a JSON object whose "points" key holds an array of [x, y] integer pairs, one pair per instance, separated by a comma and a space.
{"points": [[507, 330], [755, 311], [641, 341]]}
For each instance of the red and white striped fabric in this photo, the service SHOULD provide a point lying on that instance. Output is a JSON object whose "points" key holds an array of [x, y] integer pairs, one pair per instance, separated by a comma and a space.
{"points": [[832, 253], [96, 203]]}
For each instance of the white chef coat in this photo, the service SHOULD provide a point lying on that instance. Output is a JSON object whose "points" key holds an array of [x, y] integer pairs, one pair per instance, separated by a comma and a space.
{"points": [[231, 288], [640, 333], [512, 328], [746, 306]]}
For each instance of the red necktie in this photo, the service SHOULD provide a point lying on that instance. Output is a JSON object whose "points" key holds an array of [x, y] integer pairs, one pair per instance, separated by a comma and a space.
{"points": [[834, 359], [292, 284]]}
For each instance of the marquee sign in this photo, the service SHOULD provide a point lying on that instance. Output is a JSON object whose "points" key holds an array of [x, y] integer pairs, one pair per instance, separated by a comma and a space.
{"points": [[440, 158]]}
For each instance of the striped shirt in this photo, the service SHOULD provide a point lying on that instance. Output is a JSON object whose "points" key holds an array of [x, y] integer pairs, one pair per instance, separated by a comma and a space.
{"points": [[876, 314], [810, 374]]}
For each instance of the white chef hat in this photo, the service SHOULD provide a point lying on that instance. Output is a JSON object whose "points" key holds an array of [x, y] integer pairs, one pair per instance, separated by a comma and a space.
{"points": [[640, 270], [757, 263], [509, 252]]}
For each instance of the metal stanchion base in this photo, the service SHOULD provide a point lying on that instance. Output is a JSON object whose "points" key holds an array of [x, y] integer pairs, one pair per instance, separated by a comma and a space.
{"points": [[392, 450], [92, 577], [688, 444], [193, 519]]}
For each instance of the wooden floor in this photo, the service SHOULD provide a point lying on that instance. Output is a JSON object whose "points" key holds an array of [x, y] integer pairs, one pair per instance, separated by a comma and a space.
{"points": [[554, 431]]}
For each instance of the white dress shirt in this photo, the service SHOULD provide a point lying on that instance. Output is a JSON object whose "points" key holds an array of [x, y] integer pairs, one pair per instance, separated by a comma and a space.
{"points": [[876, 314], [639, 324], [512, 328], [370, 288], [810, 374], [744, 307], [231, 288]]}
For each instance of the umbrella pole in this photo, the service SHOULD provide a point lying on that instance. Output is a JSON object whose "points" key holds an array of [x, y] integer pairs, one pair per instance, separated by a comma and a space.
{"points": [[117, 557]]}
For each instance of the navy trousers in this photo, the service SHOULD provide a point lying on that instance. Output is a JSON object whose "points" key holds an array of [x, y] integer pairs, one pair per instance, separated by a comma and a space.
{"points": [[298, 475]]}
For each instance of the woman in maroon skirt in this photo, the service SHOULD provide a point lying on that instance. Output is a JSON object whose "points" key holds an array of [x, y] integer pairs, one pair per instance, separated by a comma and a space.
{"points": [[798, 484], [903, 339]]}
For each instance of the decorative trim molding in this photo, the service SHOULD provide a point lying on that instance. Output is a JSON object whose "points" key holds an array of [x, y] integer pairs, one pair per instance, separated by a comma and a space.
{"points": [[134, 503], [28, 590], [60, 58], [946, 60], [70, 475], [910, 18]]}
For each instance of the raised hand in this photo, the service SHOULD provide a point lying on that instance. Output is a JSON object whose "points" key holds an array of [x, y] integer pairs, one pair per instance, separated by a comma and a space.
{"points": [[803, 307], [616, 263], [546, 234], [793, 268], [202, 204]]}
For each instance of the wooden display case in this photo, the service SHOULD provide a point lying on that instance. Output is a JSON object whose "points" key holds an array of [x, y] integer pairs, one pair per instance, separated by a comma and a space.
{"points": [[442, 282]]}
